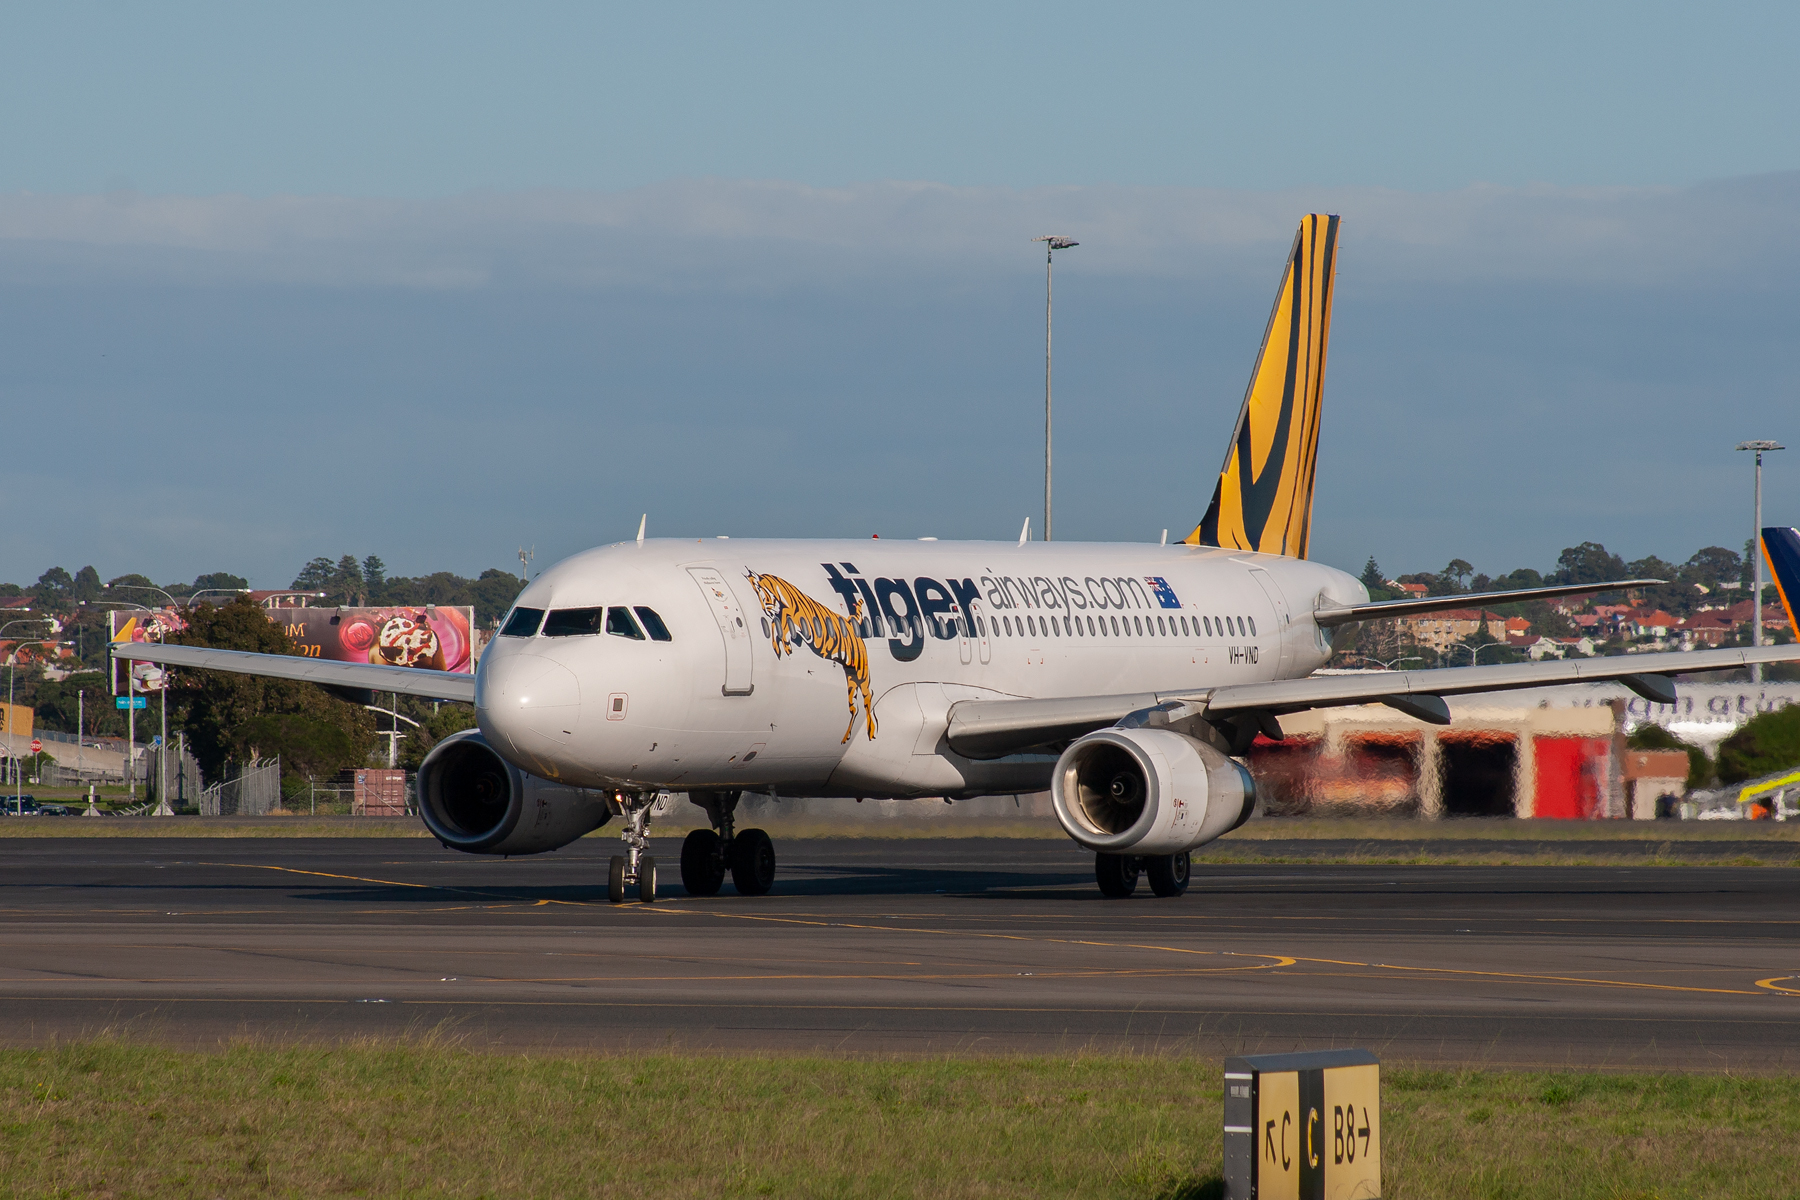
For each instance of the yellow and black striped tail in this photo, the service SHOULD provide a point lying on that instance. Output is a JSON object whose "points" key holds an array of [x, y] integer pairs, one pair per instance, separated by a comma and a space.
{"points": [[1263, 500]]}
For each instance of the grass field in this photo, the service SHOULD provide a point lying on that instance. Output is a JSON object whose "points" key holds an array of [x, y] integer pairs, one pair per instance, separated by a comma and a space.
{"points": [[428, 1119], [1460, 842]]}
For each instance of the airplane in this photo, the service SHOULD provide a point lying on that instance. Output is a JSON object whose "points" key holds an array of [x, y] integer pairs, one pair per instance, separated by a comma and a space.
{"points": [[1129, 680]]}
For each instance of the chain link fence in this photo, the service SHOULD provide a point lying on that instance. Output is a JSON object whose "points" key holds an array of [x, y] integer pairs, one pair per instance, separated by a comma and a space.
{"points": [[256, 792]]}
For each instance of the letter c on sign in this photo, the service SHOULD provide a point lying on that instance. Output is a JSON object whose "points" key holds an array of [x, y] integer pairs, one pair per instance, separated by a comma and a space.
{"points": [[1312, 1138]]}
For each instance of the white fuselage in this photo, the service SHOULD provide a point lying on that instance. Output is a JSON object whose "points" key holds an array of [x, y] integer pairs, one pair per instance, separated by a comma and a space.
{"points": [[758, 682]]}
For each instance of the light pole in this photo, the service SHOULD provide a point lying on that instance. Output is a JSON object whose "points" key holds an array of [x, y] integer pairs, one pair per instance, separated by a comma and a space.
{"points": [[12, 659], [1756, 552], [1475, 651], [1052, 243]]}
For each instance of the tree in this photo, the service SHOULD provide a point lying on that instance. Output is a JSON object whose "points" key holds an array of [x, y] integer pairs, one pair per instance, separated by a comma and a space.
{"points": [[1652, 568], [54, 588], [494, 593], [315, 575], [58, 703], [132, 580], [374, 572], [448, 719], [1768, 742], [218, 709], [1371, 576], [213, 580], [1457, 574], [1588, 563], [86, 585], [1712, 565]]}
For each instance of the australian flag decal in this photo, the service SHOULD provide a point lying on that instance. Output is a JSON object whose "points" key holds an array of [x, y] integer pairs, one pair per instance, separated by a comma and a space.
{"points": [[1165, 595]]}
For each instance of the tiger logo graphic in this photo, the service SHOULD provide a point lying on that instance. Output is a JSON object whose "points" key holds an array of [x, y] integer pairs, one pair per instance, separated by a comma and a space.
{"points": [[796, 618]]}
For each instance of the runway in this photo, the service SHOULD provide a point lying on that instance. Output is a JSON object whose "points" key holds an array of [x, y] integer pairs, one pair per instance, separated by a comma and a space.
{"points": [[899, 947]]}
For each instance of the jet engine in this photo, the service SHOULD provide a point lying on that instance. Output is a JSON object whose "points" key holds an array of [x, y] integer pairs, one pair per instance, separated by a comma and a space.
{"points": [[1148, 791], [476, 801]]}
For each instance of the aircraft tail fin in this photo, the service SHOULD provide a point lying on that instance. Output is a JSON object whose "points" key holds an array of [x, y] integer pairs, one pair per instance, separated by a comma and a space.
{"points": [[1781, 547], [1263, 499]]}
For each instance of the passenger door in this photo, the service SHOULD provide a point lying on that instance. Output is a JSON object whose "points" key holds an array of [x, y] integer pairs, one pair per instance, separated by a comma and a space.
{"points": [[734, 628]]}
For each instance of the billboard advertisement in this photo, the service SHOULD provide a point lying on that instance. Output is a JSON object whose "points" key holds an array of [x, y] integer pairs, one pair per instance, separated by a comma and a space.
{"points": [[436, 637], [141, 625]]}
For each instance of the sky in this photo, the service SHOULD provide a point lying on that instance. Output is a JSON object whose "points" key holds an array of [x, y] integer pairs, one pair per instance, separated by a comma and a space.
{"points": [[433, 282]]}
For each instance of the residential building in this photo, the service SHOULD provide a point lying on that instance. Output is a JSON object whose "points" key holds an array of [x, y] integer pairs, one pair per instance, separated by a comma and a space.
{"points": [[1439, 631]]}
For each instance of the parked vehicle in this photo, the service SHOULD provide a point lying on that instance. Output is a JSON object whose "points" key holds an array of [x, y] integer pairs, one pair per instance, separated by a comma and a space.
{"points": [[20, 806]]}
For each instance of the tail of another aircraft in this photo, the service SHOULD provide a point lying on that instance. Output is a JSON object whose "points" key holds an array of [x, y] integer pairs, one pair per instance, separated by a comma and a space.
{"points": [[1781, 547], [1263, 500]]}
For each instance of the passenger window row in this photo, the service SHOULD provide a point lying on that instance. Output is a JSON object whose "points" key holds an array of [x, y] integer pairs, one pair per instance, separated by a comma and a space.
{"points": [[1158, 625], [578, 622]]}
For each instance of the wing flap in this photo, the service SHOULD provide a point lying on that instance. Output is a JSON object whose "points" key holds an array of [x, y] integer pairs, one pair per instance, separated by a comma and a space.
{"points": [[408, 681]]}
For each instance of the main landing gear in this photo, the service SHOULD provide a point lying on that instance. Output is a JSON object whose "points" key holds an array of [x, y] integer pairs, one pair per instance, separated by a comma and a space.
{"points": [[1117, 874], [708, 854]]}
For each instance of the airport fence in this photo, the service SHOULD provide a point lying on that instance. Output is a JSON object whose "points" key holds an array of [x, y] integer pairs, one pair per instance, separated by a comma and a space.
{"points": [[256, 792]]}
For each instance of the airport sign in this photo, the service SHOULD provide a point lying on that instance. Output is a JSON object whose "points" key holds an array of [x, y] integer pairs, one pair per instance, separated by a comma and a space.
{"points": [[1303, 1126], [131, 702]]}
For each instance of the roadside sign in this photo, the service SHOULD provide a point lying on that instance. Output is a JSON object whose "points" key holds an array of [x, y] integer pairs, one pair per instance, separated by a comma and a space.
{"points": [[1303, 1126], [131, 701], [37, 747]]}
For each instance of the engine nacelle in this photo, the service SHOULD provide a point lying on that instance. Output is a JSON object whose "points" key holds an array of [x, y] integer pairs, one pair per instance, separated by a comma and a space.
{"points": [[1148, 791], [476, 801]]}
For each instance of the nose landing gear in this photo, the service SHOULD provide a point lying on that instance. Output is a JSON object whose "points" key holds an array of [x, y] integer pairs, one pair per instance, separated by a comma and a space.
{"points": [[634, 870], [707, 855]]}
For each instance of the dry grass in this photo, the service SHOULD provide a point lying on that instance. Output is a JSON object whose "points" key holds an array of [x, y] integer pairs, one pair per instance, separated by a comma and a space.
{"points": [[1342, 841], [119, 1120]]}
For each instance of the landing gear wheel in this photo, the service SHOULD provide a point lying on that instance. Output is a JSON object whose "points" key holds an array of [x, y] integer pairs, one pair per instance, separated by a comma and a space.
{"points": [[1168, 873], [647, 879], [615, 880], [1117, 875], [702, 863], [752, 862]]}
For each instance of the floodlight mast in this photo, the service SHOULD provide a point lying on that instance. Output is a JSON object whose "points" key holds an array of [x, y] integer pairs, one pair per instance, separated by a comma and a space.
{"points": [[1756, 632], [1052, 243]]}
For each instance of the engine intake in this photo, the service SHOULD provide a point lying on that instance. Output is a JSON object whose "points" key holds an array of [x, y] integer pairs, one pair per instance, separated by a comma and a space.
{"points": [[1148, 791], [475, 801]]}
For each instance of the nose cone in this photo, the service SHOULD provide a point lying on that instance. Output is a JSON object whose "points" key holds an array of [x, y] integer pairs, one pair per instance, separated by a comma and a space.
{"points": [[529, 702]]}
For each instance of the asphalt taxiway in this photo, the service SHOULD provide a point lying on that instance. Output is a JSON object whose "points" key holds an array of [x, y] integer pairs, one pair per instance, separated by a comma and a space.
{"points": [[899, 947]]}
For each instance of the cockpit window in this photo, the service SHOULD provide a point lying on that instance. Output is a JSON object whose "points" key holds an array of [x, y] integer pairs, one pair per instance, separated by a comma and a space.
{"points": [[654, 624], [573, 622], [522, 623], [620, 624]]}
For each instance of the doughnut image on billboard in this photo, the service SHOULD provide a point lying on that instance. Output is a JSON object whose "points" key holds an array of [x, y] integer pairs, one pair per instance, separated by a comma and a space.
{"points": [[432, 637]]}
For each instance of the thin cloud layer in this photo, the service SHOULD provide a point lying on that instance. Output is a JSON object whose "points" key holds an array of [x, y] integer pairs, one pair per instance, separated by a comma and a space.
{"points": [[733, 234]]}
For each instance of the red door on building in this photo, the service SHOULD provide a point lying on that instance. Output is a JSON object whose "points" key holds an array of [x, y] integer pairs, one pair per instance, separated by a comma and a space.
{"points": [[1570, 774]]}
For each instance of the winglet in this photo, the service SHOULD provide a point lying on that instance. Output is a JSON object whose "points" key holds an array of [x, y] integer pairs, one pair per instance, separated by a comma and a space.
{"points": [[1263, 499], [1781, 547]]}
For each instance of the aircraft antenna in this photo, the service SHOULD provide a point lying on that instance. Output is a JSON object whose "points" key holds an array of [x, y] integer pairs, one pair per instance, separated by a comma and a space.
{"points": [[1025, 533], [641, 522]]}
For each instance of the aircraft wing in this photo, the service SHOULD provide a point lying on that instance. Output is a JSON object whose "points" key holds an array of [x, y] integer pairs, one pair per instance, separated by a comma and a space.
{"points": [[994, 728], [1343, 614], [410, 681]]}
